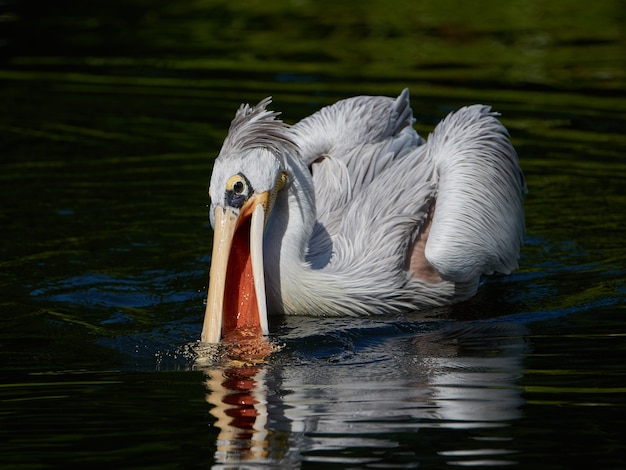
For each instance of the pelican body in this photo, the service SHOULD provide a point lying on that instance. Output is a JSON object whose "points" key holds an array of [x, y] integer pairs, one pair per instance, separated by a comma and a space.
{"points": [[351, 212]]}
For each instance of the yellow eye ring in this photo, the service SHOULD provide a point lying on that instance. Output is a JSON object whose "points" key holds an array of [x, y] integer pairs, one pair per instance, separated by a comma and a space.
{"points": [[237, 184]]}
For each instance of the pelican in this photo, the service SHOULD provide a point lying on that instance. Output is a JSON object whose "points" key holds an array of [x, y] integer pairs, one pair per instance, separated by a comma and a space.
{"points": [[351, 212]]}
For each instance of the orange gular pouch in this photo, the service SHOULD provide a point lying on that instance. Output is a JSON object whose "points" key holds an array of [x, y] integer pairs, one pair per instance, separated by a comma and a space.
{"points": [[241, 315]]}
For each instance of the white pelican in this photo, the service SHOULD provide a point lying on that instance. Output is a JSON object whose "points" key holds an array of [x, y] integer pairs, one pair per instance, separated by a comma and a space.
{"points": [[351, 212]]}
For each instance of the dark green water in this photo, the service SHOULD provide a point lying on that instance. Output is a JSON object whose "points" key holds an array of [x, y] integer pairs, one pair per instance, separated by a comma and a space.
{"points": [[110, 115]]}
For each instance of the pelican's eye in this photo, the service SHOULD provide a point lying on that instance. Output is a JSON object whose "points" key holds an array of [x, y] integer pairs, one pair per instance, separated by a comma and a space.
{"points": [[238, 187], [238, 190]]}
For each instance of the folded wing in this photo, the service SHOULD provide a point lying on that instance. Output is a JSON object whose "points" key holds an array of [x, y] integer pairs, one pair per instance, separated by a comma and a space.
{"points": [[478, 222]]}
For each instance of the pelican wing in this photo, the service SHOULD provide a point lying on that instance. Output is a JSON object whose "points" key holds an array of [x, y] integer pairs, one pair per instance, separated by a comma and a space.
{"points": [[478, 223], [376, 233], [378, 187], [380, 223], [347, 145], [337, 129]]}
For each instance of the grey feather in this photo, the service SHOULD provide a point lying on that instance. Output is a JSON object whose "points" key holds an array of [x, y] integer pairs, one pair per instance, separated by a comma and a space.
{"points": [[348, 144]]}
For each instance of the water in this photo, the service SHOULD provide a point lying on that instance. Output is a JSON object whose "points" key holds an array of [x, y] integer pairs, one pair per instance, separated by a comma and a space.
{"points": [[111, 113]]}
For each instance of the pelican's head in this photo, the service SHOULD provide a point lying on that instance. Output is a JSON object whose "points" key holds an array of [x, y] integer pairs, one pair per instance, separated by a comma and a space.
{"points": [[247, 176]]}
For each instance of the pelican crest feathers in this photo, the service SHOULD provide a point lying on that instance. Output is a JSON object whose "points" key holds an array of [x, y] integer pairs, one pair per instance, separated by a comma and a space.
{"points": [[257, 127]]}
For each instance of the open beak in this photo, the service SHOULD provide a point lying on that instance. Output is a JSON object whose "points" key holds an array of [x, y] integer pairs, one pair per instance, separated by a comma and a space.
{"points": [[236, 300]]}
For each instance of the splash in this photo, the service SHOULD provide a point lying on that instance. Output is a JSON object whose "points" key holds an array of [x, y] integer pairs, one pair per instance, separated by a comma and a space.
{"points": [[241, 348]]}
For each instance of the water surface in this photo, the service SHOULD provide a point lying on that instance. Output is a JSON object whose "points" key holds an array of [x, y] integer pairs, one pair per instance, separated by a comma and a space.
{"points": [[111, 115]]}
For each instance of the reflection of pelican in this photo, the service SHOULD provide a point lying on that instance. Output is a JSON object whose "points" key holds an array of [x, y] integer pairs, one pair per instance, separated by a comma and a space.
{"points": [[350, 212], [364, 408]]}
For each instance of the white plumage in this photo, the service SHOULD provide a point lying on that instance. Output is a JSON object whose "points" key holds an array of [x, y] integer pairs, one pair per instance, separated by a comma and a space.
{"points": [[361, 215]]}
